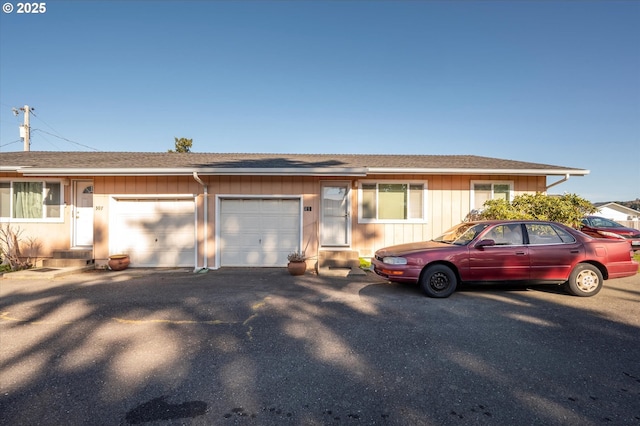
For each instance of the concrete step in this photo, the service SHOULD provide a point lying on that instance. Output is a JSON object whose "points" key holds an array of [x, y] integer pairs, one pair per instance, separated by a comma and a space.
{"points": [[63, 263], [339, 263], [72, 254]]}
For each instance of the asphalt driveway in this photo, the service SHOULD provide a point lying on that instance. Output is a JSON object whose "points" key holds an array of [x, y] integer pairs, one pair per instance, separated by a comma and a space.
{"points": [[241, 346]]}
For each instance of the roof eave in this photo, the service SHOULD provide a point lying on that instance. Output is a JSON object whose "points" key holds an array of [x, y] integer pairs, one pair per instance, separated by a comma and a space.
{"points": [[469, 171], [289, 171], [207, 171]]}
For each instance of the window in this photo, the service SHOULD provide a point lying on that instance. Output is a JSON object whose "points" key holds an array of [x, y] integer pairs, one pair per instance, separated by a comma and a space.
{"points": [[600, 222], [31, 200], [484, 191], [541, 233], [388, 202], [506, 235]]}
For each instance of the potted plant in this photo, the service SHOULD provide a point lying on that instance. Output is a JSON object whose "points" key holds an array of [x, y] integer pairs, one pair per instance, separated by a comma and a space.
{"points": [[297, 263], [118, 262]]}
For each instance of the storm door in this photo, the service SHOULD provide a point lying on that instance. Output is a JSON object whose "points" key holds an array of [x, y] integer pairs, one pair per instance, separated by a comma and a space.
{"points": [[335, 219]]}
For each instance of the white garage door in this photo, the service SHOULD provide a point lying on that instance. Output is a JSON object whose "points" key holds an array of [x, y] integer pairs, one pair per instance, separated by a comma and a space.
{"points": [[155, 233], [258, 232]]}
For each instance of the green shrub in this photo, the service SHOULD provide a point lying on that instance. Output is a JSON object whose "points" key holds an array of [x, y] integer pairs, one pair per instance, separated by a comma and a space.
{"points": [[568, 209]]}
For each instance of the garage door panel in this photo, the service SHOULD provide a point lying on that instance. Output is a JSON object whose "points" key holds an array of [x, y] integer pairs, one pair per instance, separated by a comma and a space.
{"points": [[155, 233], [258, 232], [235, 257], [275, 241]]}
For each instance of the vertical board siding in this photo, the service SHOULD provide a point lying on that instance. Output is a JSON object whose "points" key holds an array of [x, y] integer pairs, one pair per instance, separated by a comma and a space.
{"points": [[448, 203]]}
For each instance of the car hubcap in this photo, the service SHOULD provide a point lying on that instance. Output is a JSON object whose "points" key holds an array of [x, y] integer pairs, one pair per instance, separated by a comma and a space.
{"points": [[439, 281], [587, 281]]}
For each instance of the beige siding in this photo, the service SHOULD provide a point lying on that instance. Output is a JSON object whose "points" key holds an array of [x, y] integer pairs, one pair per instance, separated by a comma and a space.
{"points": [[448, 202], [46, 237]]}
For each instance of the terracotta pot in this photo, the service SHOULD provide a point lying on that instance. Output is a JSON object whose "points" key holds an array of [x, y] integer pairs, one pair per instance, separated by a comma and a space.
{"points": [[297, 268], [118, 262]]}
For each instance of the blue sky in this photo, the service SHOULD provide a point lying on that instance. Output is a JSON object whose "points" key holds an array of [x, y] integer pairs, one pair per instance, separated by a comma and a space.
{"points": [[547, 82]]}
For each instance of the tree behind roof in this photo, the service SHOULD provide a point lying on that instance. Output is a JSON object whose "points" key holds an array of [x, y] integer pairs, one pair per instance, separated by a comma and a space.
{"points": [[182, 145]]}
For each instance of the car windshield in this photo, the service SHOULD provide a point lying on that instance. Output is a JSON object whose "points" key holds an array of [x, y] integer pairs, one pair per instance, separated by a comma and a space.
{"points": [[604, 223], [461, 234]]}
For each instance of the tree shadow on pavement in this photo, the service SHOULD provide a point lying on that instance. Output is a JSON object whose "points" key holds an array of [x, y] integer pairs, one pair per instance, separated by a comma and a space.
{"points": [[261, 347]]}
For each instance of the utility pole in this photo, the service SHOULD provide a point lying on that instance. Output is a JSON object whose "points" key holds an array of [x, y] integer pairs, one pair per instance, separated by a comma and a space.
{"points": [[25, 129]]}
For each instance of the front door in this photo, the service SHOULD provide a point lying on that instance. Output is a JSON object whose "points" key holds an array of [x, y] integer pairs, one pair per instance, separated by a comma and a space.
{"points": [[335, 220], [83, 213]]}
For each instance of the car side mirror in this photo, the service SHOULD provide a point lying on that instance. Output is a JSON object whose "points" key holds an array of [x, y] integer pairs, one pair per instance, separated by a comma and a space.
{"points": [[485, 243]]}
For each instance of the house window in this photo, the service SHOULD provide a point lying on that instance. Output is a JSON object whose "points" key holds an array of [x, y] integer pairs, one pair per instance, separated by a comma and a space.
{"points": [[485, 191], [391, 202], [31, 201]]}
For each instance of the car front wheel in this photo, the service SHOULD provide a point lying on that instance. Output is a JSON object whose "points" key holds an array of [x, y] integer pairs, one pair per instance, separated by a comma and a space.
{"points": [[585, 280], [438, 281]]}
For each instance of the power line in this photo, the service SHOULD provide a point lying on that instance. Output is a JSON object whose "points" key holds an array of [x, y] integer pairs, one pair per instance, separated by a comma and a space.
{"points": [[67, 140], [11, 143], [58, 134], [49, 142]]}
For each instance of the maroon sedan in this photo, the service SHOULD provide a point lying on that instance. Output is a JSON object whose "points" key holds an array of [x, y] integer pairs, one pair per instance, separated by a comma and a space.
{"points": [[533, 252], [599, 227]]}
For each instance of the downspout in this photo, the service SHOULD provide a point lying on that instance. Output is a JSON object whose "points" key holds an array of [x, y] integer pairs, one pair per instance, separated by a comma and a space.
{"points": [[566, 178], [206, 221]]}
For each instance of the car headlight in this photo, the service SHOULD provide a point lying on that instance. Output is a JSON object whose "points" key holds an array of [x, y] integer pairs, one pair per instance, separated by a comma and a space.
{"points": [[392, 260]]}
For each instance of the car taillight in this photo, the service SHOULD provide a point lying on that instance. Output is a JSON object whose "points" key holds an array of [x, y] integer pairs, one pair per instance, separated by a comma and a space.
{"points": [[610, 234]]}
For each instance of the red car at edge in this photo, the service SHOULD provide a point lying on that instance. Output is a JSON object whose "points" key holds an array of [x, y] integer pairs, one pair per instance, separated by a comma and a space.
{"points": [[599, 227], [529, 251]]}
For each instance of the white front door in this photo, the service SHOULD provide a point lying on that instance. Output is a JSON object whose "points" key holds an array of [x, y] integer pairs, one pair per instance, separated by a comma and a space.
{"points": [[335, 221], [83, 213]]}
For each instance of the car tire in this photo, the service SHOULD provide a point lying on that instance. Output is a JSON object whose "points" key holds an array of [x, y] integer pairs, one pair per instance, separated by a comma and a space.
{"points": [[585, 280], [438, 281]]}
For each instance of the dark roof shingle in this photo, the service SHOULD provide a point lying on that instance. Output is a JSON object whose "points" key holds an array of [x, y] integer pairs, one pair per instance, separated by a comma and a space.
{"points": [[153, 160]]}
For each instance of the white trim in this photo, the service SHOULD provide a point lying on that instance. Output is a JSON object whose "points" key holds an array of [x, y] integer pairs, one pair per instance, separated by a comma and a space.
{"points": [[147, 197], [221, 197], [464, 171], [286, 171], [211, 171], [425, 188], [492, 182], [43, 180]]}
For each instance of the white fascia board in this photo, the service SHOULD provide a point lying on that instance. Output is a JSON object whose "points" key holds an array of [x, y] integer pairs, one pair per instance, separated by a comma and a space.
{"points": [[526, 172], [312, 171]]}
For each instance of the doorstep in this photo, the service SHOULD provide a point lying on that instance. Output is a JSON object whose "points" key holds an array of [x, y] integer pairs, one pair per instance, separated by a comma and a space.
{"points": [[45, 272]]}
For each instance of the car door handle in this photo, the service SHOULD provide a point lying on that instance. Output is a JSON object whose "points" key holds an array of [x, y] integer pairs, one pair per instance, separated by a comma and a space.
{"points": [[520, 253], [574, 251]]}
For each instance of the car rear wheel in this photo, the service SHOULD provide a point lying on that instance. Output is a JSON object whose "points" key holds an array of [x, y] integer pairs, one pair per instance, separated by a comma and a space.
{"points": [[585, 280], [438, 281]]}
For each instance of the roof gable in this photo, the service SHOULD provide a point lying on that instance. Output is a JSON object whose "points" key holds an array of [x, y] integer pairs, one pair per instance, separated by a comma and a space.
{"points": [[617, 207]]}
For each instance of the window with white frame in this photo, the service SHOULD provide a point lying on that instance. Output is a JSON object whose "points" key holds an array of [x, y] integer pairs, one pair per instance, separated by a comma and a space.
{"points": [[31, 200], [391, 202], [482, 191]]}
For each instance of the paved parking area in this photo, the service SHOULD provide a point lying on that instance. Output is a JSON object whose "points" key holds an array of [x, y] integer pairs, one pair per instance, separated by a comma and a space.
{"points": [[260, 347]]}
